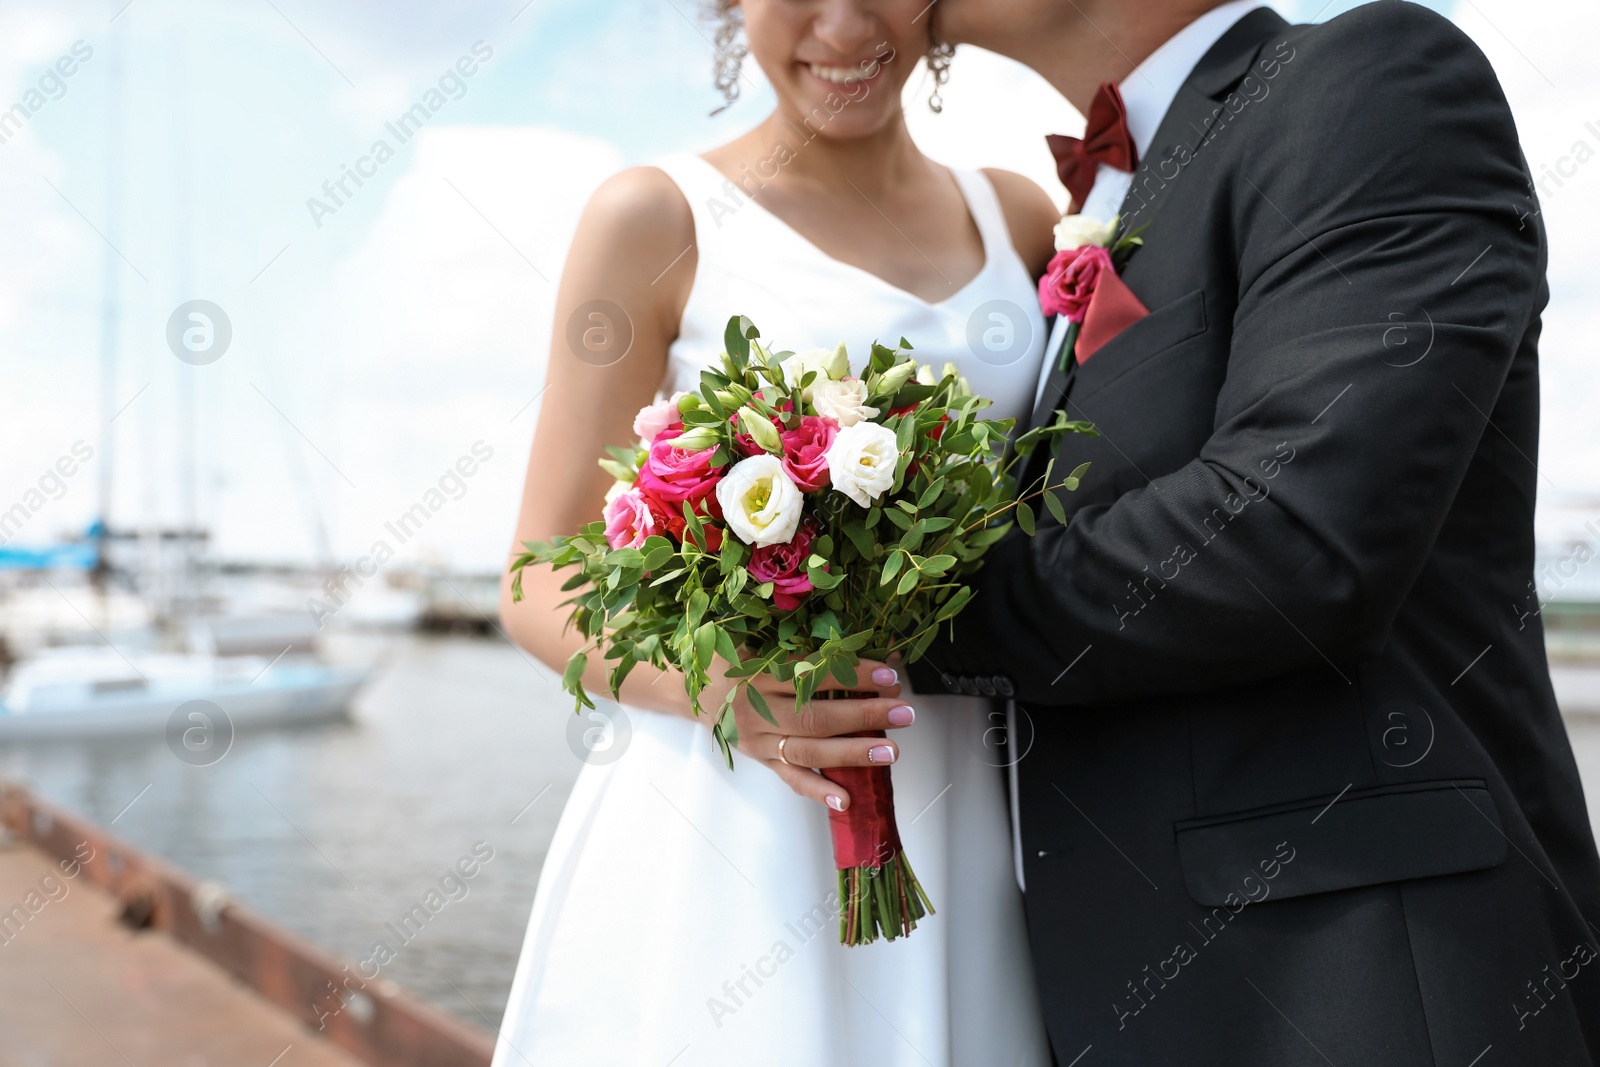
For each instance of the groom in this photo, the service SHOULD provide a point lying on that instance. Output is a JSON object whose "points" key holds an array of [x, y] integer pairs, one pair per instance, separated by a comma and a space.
{"points": [[1291, 784]]}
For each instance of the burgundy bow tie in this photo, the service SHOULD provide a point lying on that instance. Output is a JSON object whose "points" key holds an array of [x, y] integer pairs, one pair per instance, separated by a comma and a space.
{"points": [[1105, 140]]}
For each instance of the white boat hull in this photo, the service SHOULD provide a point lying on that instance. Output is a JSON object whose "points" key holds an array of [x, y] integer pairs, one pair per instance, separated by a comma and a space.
{"points": [[303, 697]]}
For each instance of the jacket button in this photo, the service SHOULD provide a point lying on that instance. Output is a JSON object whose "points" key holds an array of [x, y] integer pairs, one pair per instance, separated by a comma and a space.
{"points": [[968, 686], [1003, 686], [986, 685]]}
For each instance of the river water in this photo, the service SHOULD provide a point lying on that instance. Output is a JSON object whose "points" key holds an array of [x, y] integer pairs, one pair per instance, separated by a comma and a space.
{"points": [[336, 832]]}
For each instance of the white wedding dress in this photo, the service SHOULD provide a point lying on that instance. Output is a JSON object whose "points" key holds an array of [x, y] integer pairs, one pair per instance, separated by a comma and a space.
{"points": [[685, 913]]}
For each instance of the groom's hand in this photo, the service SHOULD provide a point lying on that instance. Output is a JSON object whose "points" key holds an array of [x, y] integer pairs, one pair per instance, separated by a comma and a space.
{"points": [[812, 735]]}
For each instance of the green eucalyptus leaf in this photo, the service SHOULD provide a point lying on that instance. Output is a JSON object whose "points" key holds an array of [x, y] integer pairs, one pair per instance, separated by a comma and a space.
{"points": [[825, 580], [705, 644], [857, 532], [908, 582], [954, 604], [734, 339], [698, 603], [725, 646], [759, 702], [572, 677]]}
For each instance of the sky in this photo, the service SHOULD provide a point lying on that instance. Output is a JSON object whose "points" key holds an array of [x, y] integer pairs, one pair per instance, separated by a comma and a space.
{"points": [[386, 331]]}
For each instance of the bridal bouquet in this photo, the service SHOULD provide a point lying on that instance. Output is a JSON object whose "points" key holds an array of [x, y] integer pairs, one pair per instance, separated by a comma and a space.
{"points": [[791, 518]]}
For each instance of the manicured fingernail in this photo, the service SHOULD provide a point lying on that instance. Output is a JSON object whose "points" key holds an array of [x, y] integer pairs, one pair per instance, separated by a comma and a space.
{"points": [[881, 754], [836, 803], [904, 715], [884, 676]]}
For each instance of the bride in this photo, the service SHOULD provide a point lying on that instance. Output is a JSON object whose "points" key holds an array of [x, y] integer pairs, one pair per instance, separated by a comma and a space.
{"points": [[686, 914]]}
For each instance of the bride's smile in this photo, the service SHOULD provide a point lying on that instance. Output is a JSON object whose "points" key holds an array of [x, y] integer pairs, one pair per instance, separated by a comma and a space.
{"points": [[862, 73]]}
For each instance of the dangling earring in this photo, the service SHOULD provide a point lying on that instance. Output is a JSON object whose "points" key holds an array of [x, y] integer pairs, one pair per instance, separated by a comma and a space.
{"points": [[938, 59]]}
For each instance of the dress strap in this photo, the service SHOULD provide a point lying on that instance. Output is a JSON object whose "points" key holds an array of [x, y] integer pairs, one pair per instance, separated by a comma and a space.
{"points": [[984, 204], [714, 200], [691, 176]]}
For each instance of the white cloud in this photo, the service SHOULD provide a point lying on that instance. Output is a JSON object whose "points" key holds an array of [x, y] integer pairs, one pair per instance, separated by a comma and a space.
{"points": [[438, 324]]}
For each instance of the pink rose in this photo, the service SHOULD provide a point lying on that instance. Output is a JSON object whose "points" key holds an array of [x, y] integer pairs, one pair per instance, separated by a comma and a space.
{"points": [[629, 520], [1070, 279], [655, 418], [805, 451], [673, 475], [784, 565], [669, 520]]}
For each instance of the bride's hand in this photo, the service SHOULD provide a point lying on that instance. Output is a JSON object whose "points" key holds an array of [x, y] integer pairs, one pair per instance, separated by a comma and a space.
{"points": [[812, 735]]}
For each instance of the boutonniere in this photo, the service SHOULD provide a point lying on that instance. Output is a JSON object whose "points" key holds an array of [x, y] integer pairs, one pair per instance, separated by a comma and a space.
{"points": [[1082, 283]]}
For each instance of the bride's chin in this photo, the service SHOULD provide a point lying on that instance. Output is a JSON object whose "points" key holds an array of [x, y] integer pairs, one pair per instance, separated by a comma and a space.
{"points": [[840, 128]]}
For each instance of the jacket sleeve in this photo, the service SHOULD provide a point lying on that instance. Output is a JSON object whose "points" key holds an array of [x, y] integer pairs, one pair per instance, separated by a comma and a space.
{"points": [[1386, 181]]}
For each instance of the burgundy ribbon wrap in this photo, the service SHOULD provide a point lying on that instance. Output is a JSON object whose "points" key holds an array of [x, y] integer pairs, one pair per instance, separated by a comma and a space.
{"points": [[864, 834]]}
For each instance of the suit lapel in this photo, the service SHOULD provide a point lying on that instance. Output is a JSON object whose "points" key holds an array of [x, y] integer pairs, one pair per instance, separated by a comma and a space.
{"points": [[1195, 112], [1184, 129]]}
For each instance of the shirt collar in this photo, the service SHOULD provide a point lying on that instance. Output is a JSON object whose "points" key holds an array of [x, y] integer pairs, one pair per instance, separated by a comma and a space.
{"points": [[1148, 92]]}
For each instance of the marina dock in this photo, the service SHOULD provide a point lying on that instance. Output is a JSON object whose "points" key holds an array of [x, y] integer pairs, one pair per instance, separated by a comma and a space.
{"points": [[110, 956]]}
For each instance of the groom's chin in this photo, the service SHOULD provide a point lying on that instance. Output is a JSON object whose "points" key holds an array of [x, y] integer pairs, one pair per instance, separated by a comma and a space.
{"points": [[989, 24]]}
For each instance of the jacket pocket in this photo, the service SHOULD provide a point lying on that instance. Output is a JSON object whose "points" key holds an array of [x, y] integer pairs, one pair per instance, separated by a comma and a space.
{"points": [[1168, 325], [1364, 837]]}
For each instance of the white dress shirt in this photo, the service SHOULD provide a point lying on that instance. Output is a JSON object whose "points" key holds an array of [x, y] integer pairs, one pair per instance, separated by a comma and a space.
{"points": [[1147, 93]]}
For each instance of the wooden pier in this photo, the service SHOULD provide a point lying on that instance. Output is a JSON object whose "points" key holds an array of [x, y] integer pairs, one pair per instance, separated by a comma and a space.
{"points": [[109, 956]]}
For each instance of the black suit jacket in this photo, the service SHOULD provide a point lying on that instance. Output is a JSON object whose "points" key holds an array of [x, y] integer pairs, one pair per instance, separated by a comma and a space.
{"points": [[1293, 784]]}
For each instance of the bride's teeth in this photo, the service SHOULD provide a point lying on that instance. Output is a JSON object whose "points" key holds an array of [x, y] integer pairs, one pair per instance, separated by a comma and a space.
{"points": [[843, 75]]}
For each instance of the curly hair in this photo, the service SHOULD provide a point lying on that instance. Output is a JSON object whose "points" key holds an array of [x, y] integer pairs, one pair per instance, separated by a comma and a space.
{"points": [[728, 40]]}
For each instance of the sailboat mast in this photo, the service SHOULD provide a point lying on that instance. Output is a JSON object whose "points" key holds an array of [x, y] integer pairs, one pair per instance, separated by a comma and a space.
{"points": [[110, 309], [186, 586]]}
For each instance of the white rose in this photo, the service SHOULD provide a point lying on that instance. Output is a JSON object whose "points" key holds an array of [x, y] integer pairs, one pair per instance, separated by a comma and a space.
{"points": [[759, 502], [653, 418], [1075, 231], [844, 402], [861, 461], [827, 362], [925, 375]]}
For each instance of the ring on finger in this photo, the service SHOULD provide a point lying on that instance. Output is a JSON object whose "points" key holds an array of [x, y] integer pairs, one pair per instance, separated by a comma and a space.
{"points": [[784, 740]]}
